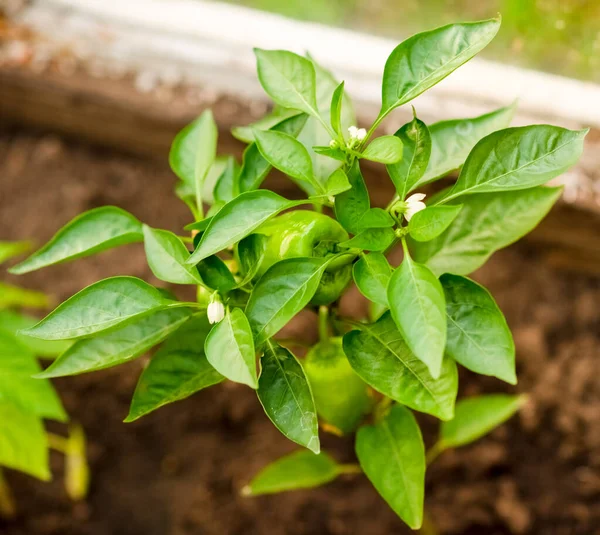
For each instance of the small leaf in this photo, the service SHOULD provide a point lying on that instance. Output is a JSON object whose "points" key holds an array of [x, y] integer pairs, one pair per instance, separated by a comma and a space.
{"points": [[373, 239], [250, 252], [285, 395], [117, 346], [16, 297], [10, 249], [167, 256], [382, 359], [351, 205], [229, 348], [266, 122], [216, 275], [336, 183], [299, 470], [426, 58], [478, 336], [177, 370], [431, 222], [289, 79], [372, 274], [376, 218], [384, 149], [227, 187], [476, 417], [335, 115], [89, 233], [283, 291], [331, 152], [101, 306], [237, 219], [392, 455]]}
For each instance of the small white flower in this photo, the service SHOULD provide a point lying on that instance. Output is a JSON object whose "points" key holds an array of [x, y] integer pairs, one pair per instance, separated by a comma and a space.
{"points": [[361, 134], [353, 131], [414, 204], [215, 310]]}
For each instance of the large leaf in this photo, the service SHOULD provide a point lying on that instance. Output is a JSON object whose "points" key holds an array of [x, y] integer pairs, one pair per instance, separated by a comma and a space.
{"points": [[91, 232], [431, 222], [101, 306], [478, 336], [285, 395], [518, 158], [17, 297], [416, 300], [372, 274], [23, 442], [351, 205], [392, 455], [237, 219], [177, 370], [229, 348], [117, 346], [299, 470], [283, 291], [426, 58], [486, 223], [476, 417], [382, 359]]}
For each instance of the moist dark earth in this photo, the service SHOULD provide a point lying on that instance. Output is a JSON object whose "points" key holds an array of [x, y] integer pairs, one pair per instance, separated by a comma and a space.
{"points": [[180, 470]]}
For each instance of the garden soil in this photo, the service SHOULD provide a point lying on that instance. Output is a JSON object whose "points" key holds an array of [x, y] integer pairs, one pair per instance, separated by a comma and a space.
{"points": [[179, 470]]}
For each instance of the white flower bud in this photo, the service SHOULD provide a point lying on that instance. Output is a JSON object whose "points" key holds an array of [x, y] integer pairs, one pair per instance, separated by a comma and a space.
{"points": [[215, 310], [333, 144], [414, 204], [353, 131], [361, 134]]}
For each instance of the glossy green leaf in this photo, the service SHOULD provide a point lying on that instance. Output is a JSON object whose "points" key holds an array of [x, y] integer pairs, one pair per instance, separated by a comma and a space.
{"points": [[89, 233], [266, 122], [453, 140], [336, 183], [335, 115], [229, 348], [283, 291], [331, 152], [285, 395], [431, 222], [478, 336], [416, 151], [299, 470], [426, 58], [167, 255], [17, 297], [372, 274], [177, 370], [23, 442], [289, 79], [351, 205], [13, 322], [384, 149], [476, 417], [392, 455], [376, 218], [216, 275], [118, 346], [379, 355], [101, 306], [227, 187], [416, 300], [237, 219], [518, 158], [486, 223], [10, 249], [373, 239], [250, 253]]}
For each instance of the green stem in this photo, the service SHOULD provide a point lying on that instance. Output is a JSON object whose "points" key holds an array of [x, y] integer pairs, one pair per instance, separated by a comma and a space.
{"points": [[8, 508], [434, 452], [374, 126], [381, 408], [186, 239], [349, 469], [324, 324], [58, 443]]}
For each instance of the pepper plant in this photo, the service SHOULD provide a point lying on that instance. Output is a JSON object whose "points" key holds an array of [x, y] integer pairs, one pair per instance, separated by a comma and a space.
{"points": [[258, 259]]}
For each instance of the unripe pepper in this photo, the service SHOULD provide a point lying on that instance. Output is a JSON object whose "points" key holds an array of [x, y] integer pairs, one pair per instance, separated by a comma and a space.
{"points": [[303, 233]]}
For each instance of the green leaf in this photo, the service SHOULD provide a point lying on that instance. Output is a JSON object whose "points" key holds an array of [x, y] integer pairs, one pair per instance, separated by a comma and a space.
{"points": [[229, 348], [254, 166], [227, 187], [167, 257], [237, 219], [351, 205], [117, 346], [12, 322], [416, 151], [416, 300], [478, 336], [16, 297], [283, 291], [177, 370], [331, 152], [476, 417], [336, 184], [518, 158], [453, 140], [23, 442], [426, 58], [10, 249], [289, 79], [373, 239], [486, 223], [250, 252], [89, 233], [216, 274], [335, 114], [382, 359], [266, 122], [372, 274], [376, 218], [431, 222], [286, 398], [384, 149], [101, 306], [392, 455], [288, 155], [299, 470]]}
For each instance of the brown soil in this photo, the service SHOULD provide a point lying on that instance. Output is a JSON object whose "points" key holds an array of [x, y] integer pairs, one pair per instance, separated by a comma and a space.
{"points": [[179, 470]]}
